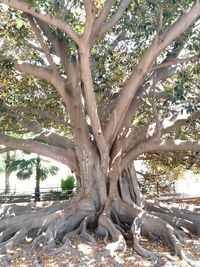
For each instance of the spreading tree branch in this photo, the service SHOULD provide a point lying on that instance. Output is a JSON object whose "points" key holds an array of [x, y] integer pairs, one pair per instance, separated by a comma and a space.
{"points": [[37, 112], [155, 111], [160, 24], [90, 10], [41, 134], [146, 132], [86, 77], [62, 155], [175, 61], [107, 26], [152, 145], [175, 122], [39, 72], [58, 44], [139, 135], [62, 52], [28, 9], [159, 44], [42, 42], [46, 74], [177, 145], [102, 17]]}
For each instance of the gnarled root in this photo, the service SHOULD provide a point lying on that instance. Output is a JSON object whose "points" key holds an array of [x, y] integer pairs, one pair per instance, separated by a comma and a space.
{"points": [[117, 221], [49, 223], [184, 218], [155, 229], [119, 243]]}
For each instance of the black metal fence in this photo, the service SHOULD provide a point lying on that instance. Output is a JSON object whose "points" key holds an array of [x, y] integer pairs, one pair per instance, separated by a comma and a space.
{"points": [[178, 189], [16, 191], [155, 189], [46, 194]]}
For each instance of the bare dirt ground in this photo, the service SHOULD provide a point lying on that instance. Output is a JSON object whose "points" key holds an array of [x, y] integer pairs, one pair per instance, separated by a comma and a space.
{"points": [[84, 254]]}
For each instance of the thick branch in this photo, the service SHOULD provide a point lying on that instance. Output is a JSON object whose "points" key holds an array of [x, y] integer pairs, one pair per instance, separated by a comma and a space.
{"points": [[36, 71], [132, 137], [42, 134], [137, 77], [63, 53], [175, 61], [58, 44], [37, 112], [42, 42], [54, 139], [91, 104], [152, 145], [181, 25], [177, 145], [115, 18], [90, 10], [160, 24], [27, 8], [138, 99], [102, 17], [53, 77], [136, 136], [57, 153], [175, 122], [155, 111]]}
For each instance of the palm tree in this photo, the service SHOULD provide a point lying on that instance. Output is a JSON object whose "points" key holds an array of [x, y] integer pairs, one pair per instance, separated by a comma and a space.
{"points": [[26, 167], [7, 158]]}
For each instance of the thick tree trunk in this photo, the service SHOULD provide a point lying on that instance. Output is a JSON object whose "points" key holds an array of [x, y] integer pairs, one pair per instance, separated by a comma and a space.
{"points": [[129, 187]]}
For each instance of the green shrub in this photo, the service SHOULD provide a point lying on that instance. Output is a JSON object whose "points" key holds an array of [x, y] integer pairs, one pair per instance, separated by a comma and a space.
{"points": [[57, 195], [68, 183]]}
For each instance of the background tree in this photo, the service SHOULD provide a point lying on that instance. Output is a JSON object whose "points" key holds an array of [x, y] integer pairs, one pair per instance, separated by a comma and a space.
{"points": [[4, 169], [162, 170], [25, 168], [124, 76]]}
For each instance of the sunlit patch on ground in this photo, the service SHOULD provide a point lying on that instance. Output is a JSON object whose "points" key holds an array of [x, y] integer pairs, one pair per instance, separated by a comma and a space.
{"points": [[87, 255]]}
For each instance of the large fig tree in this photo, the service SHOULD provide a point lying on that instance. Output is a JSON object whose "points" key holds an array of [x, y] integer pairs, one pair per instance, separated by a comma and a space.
{"points": [[99, 84]]}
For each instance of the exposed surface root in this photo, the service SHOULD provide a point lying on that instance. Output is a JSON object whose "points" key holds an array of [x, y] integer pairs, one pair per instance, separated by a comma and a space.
{"points": [[155, 229], [119, 243], [52, 228], [85, 234], [183, 218]]}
